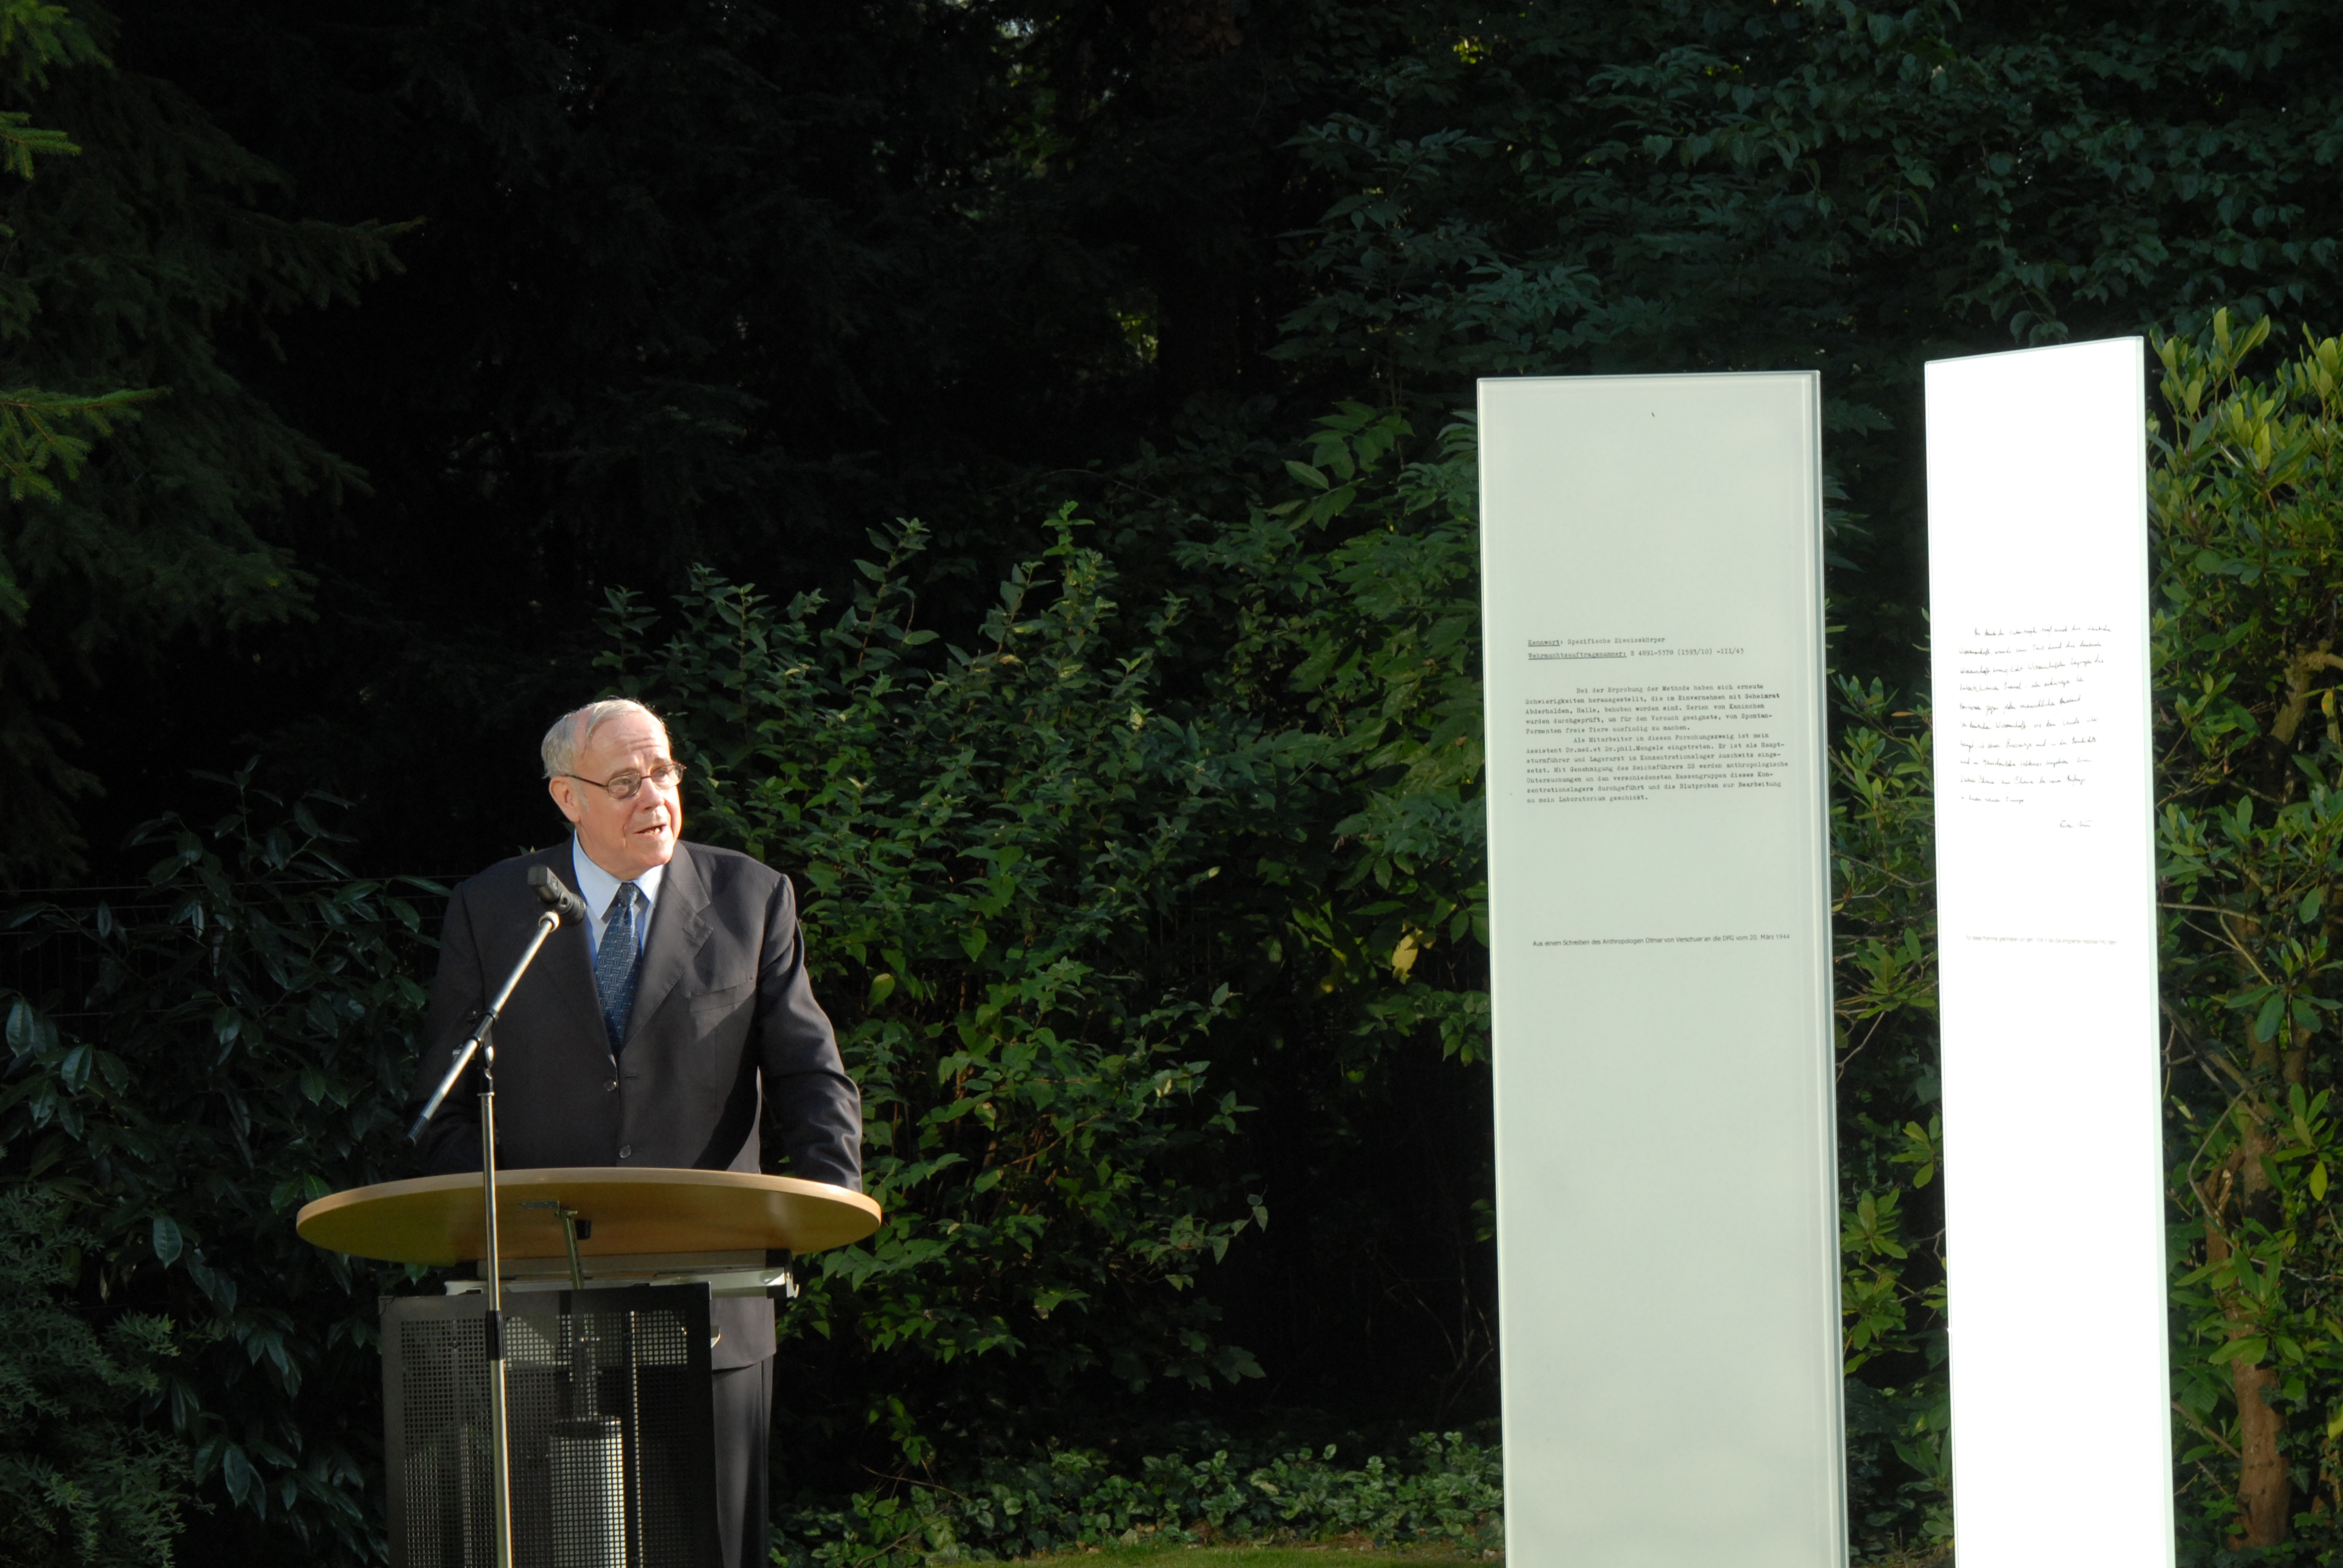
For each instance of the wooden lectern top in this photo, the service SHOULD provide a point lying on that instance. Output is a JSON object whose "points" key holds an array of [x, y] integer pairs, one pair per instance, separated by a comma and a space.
{"points": [[438, 1220]]}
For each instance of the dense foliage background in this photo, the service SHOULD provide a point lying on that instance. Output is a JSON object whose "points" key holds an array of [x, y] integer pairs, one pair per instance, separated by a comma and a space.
{"points": [[381, 380]]}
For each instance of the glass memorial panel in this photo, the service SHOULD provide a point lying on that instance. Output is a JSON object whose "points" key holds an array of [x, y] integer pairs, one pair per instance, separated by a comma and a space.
{"points": [[1659, 912], [2046, 881]]}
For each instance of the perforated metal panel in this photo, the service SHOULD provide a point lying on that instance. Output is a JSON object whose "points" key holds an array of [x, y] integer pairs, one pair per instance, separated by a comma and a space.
{"points": [[606, 1392]]}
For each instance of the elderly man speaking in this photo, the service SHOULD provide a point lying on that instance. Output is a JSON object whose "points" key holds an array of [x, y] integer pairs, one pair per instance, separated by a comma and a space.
{"points": [[664, 1033]]}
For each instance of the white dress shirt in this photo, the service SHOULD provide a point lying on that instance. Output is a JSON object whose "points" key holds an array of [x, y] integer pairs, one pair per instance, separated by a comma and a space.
{"points": [[597, 887]]}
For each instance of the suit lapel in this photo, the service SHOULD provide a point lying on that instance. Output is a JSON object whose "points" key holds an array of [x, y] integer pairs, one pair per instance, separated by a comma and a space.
{"points": [[678, 927], [567, 961]]}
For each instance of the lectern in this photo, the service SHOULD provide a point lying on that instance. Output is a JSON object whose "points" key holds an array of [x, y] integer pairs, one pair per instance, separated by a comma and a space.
{"points": [[607, 1274]]}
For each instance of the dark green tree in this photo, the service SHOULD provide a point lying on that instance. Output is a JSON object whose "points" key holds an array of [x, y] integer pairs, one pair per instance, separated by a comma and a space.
{"points": [[1679, 186], [126, 262], [706, 283]]}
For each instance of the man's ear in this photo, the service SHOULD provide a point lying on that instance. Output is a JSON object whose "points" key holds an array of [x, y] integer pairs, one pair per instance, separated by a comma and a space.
{"points": [[565, 795]]}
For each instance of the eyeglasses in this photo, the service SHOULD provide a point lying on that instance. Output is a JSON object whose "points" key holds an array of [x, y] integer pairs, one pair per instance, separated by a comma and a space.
{"points": [[622, 786]]}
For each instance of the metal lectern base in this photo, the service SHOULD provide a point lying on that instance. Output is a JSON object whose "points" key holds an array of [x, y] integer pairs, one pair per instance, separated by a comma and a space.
{"points": [[613, 1461]]}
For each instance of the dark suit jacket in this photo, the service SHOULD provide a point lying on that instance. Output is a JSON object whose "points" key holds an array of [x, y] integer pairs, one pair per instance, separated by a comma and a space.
{"points": [[723, 1020]]}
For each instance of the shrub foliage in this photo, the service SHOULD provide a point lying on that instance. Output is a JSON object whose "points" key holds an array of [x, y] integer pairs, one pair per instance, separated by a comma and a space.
{"points": [[1449, 1491], [82, 1479], [997, 850], [203, 1056]]}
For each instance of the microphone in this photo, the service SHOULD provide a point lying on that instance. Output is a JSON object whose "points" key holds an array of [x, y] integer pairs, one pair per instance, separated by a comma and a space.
{"points": [[555, 895]]}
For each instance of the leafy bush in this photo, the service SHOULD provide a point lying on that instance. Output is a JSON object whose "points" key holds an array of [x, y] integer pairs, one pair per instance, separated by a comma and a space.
{"points": [[994, 849], [1451, 1490], [81, 1480], [1891, 1236], [1353, 608], [2246, 490], [205, 1056]]}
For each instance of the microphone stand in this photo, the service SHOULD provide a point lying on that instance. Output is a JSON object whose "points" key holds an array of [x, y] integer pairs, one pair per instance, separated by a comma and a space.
{"points": [[562, 905]]}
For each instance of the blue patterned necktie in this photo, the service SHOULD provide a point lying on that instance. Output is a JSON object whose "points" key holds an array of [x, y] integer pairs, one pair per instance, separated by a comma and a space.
{"points": [[616, 965]]}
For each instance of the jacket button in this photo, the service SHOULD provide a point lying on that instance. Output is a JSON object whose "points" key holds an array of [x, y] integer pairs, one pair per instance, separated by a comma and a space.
{"points": [[611, 1087], [625, 1149]]}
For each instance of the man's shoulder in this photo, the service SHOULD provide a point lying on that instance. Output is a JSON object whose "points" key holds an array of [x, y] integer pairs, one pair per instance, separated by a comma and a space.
{"points": [[730, 870]]}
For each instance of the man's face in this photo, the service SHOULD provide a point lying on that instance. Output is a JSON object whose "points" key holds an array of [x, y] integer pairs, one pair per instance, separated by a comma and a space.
{"points": [[629, 837]]}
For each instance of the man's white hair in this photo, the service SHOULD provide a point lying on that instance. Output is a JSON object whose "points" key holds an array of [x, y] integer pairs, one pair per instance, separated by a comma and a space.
{"points": [[566, 742]]}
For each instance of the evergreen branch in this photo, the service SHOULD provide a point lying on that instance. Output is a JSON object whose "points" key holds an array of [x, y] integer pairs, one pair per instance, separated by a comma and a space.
{"points": [[20, 139], [38, 34], [37, 430], [31, 436]]}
